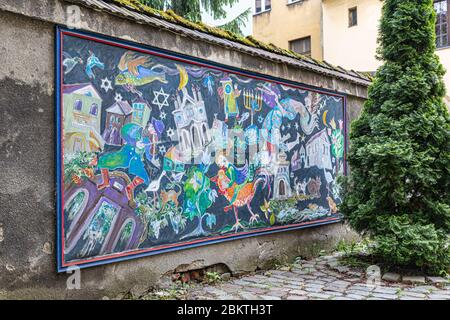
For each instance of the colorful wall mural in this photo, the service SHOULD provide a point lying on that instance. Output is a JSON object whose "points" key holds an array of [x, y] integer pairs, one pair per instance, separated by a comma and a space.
{"points": [[159, 151]]}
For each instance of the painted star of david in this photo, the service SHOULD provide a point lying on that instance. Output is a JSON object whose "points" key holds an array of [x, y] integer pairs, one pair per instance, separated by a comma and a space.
{"points": [[163, 115], [157, 101], [260, 119], [171, 133], [118, 97], [106, 84]]}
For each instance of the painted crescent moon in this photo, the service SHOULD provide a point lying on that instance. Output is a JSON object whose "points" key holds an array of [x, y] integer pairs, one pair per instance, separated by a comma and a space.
{"points": [[324, 117], [184, 78]]}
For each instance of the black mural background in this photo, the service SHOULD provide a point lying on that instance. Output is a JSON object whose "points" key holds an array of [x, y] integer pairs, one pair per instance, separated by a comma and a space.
{"points": [[272, 212]]}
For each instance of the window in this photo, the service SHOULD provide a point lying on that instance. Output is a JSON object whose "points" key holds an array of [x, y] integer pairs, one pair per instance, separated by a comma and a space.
{"points": [[352, 17], [78, 105], [281, 188], [94, 109], [302, 46], [262, 5], [258, 7], [442, 25]]}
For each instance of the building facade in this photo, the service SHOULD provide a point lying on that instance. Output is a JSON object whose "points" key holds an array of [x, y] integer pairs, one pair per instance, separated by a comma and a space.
{"points": [[290, 24], [341, 32]]}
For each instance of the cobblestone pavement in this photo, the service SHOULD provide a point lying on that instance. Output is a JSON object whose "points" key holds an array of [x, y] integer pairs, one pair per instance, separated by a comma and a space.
{"points": [[323, 278]]}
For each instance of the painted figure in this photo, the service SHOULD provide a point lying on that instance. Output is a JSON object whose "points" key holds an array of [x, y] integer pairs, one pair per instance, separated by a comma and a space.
{"points": [[309, 118], [228, 94], [129, 157], [69, 63], [271, 127], [91, 63]]}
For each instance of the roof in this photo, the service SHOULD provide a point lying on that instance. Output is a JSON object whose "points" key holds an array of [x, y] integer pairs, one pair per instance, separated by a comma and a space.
{"points": [[168, 20], [81, 88], [139, 99], [321, 134], [120, 107]]}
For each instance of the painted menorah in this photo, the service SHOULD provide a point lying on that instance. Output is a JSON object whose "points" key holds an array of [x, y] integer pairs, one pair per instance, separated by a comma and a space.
{"points": [[252, 101]]}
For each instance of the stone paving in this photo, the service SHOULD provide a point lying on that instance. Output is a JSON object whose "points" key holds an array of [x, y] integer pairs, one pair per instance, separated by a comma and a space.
{"points": [[320, 279]]}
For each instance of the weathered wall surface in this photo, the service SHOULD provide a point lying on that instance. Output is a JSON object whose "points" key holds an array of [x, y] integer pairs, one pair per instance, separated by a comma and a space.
{"points": [[27, 159]]}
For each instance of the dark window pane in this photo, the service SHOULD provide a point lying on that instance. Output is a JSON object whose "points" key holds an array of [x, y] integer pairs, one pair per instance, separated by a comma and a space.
{"points": [[441, 23], [78, 105], [268, 5], [94, 109], [258, 5], [302, 46], [352, 17]]}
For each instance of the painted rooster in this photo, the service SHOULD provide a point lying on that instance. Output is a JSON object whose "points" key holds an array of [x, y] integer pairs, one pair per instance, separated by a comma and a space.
{"points": [[233, 183]]}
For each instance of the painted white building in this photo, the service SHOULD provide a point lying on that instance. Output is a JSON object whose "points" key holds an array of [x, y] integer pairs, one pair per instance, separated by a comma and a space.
{"points": [[191, 122], [318, 151]]}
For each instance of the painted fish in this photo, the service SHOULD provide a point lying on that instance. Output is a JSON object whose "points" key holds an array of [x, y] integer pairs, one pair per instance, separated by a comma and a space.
{"points": [[143, 77]]}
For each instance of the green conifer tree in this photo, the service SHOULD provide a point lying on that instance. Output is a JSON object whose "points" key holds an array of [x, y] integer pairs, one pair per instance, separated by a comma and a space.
{"points": [[399, 157]]}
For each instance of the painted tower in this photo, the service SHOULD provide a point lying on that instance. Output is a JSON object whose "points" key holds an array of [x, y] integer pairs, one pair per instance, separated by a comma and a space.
{"points": [[282, 181]]}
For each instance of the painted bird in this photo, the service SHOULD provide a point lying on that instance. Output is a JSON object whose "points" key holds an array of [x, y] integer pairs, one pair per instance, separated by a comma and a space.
{"points": [[239, 194], [155, 185], [69, 63], [135, 71]]}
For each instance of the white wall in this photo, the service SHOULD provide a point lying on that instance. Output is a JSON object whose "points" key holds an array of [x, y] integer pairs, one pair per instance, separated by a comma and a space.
{"points": [[354, 47]]}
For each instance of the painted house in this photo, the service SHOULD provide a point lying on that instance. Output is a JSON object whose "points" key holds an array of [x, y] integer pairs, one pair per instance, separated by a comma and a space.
{"points": [[173, 160], [282, 181], [141, 112], [318, 151], [191, 122], [82, 115], [117, 115]]}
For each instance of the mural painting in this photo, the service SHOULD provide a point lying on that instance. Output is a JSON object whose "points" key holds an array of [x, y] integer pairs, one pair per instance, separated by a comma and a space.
{"points": [[159, 151]]}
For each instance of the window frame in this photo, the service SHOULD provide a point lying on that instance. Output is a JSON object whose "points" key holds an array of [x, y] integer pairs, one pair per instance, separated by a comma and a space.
{"points": [[299, 39], [263, 7], [448, 24], [350, 10], [289, 2]]}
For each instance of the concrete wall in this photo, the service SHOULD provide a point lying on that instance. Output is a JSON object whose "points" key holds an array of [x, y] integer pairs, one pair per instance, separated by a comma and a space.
{"points": [[286, 22], [27, 158]]}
